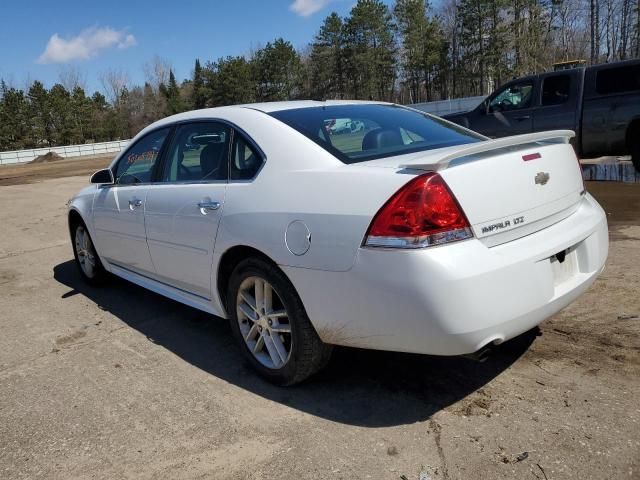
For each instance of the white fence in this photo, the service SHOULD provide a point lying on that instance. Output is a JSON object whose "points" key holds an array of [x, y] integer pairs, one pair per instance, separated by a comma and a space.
{"points": [[442, 107], [69, 151]]}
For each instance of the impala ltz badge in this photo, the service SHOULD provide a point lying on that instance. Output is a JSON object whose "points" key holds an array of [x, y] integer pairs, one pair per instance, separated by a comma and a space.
{"points": [[503, 224], [542, 178]]}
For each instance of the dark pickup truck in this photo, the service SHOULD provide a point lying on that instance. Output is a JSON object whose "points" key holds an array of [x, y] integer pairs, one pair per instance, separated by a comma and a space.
{"points": [[600, 103]]}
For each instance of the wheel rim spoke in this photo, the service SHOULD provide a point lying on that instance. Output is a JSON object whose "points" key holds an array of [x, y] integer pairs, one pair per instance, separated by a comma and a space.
{"points": [[281, 328], [249, 300], [259, 293], [263, 322], [248, 312], [84, 251], [273, 351], [259, 344], [267, 297], [252, 333], [279, 346]]}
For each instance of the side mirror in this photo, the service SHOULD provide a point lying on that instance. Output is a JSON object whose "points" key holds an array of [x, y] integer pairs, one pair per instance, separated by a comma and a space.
{"points": [[103, 176]]}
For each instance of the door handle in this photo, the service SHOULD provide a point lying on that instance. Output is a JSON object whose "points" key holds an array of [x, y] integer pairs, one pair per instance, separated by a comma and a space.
{"points": [[135, 203], [208, 207], [524, 117]]}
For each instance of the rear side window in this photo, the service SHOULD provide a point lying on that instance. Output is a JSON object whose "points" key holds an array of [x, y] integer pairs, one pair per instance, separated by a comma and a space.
{"points": [[358, 133], [245, 161], [137, 164], [556, 90], [198, 152], [618, 80]]}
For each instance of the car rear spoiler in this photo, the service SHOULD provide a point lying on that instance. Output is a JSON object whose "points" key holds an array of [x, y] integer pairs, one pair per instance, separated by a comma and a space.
{"points": [[480, 150]]}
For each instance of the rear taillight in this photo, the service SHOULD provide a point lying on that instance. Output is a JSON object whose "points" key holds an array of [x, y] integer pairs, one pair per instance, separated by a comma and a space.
{"points": [[422, 213]]}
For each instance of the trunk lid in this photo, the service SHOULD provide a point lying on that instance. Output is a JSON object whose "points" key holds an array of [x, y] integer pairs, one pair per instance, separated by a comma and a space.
{"points": [[509, 187]]}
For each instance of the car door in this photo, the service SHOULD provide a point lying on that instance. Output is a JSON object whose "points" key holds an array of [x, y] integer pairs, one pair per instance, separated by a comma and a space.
{"points": [[509, 111], [118, 209], [558, 102], [183, 208]]}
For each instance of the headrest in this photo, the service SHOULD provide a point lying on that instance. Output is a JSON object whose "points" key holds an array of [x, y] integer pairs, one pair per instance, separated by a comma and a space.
{"points": [[381, 138]]}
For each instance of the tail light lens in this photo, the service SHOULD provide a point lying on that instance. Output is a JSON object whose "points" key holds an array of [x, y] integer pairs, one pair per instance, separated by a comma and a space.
{"points": [[422, 213]]}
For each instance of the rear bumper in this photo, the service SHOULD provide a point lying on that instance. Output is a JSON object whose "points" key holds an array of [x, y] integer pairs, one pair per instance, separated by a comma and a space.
{"points": [[456, 298]]}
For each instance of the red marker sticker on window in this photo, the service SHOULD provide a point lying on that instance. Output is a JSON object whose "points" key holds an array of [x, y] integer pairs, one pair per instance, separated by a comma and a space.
{"points": [[531, 156]]}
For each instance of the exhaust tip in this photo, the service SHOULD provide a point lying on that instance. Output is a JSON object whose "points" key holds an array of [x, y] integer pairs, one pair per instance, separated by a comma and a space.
{"points": [[479, 356]]}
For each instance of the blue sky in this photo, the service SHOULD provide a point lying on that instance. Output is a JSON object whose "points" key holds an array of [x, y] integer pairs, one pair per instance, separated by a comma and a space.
{"points": [[40, 38]]}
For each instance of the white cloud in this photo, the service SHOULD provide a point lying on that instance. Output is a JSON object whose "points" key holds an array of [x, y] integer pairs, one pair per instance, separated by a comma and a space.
{"points": [[86, 45], [304, 8]]}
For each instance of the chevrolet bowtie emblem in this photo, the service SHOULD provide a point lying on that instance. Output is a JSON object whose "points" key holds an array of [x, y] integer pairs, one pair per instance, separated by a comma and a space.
{"points": [[542, 178]]}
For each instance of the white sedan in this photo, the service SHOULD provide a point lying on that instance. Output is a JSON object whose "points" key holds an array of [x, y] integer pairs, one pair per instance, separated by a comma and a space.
{"points": [[411, 234]]}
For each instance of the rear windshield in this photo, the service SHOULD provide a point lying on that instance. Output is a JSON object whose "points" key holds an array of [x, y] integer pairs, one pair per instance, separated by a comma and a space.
{"points": [[357, 133]]}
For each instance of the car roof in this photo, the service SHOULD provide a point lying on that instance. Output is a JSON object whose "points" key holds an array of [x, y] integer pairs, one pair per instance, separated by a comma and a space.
{"points": [[265, 107]]}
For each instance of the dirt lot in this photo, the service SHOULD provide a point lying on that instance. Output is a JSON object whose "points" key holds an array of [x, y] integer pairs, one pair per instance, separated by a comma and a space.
{"points": [[119, 382], [33, 172]]}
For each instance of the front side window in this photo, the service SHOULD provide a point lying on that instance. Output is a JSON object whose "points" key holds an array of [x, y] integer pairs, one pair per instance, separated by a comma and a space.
{"points": [[198, 152], [137, 164], [556, 89], [513, 97], [358, 133]]}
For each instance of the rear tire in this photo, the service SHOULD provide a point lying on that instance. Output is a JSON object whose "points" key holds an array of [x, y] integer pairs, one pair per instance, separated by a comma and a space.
{"points": [[270, 324], [633, 142], [635, 155], [87, 260]]}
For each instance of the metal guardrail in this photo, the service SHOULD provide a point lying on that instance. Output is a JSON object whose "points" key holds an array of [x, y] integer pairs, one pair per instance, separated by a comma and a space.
{"points": [[69, 151], [442, 107]]}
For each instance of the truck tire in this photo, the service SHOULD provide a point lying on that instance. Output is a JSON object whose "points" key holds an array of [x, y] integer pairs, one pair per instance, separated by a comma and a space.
{"points": [[633, 143], [635, 155]]}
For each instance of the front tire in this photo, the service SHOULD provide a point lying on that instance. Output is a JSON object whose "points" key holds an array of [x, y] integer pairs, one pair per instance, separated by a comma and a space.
{"points": [[270, 324], [87, 259]]}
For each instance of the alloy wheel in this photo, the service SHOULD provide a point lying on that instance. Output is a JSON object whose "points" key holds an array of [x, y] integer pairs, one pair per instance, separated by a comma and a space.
{"points": [[85, 252], [264, 322]]}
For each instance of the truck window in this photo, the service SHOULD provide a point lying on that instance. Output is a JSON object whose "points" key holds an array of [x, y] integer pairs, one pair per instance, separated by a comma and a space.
{"points": [[618, 80], [556, 89], [513, 97]]}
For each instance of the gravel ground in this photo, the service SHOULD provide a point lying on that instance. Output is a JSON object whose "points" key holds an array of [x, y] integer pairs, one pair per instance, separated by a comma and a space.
{"points": [[118, 382]]}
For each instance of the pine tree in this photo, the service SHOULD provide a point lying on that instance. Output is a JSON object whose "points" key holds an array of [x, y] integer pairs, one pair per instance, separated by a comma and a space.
{"points": [[14, 118], [198, 95], [172, 94], [326, 60], [370, 50], [421, 47], [230, 81], [39, 112], [276, 71]]}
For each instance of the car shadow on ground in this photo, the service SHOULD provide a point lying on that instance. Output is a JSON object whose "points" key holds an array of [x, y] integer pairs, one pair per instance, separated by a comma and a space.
{"points": [[358, 387]]}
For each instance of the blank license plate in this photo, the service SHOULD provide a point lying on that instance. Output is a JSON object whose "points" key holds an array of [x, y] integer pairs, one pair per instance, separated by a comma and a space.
{"points": [[565, 270]]}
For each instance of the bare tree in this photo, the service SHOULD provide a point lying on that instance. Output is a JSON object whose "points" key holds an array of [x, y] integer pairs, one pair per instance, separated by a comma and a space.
{"points": [[70, 77], [156, 72], [594, 29], [114, 82]]}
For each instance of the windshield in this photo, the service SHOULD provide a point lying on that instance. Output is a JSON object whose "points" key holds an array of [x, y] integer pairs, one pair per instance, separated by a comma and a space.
{"points": [[357, 133]]}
